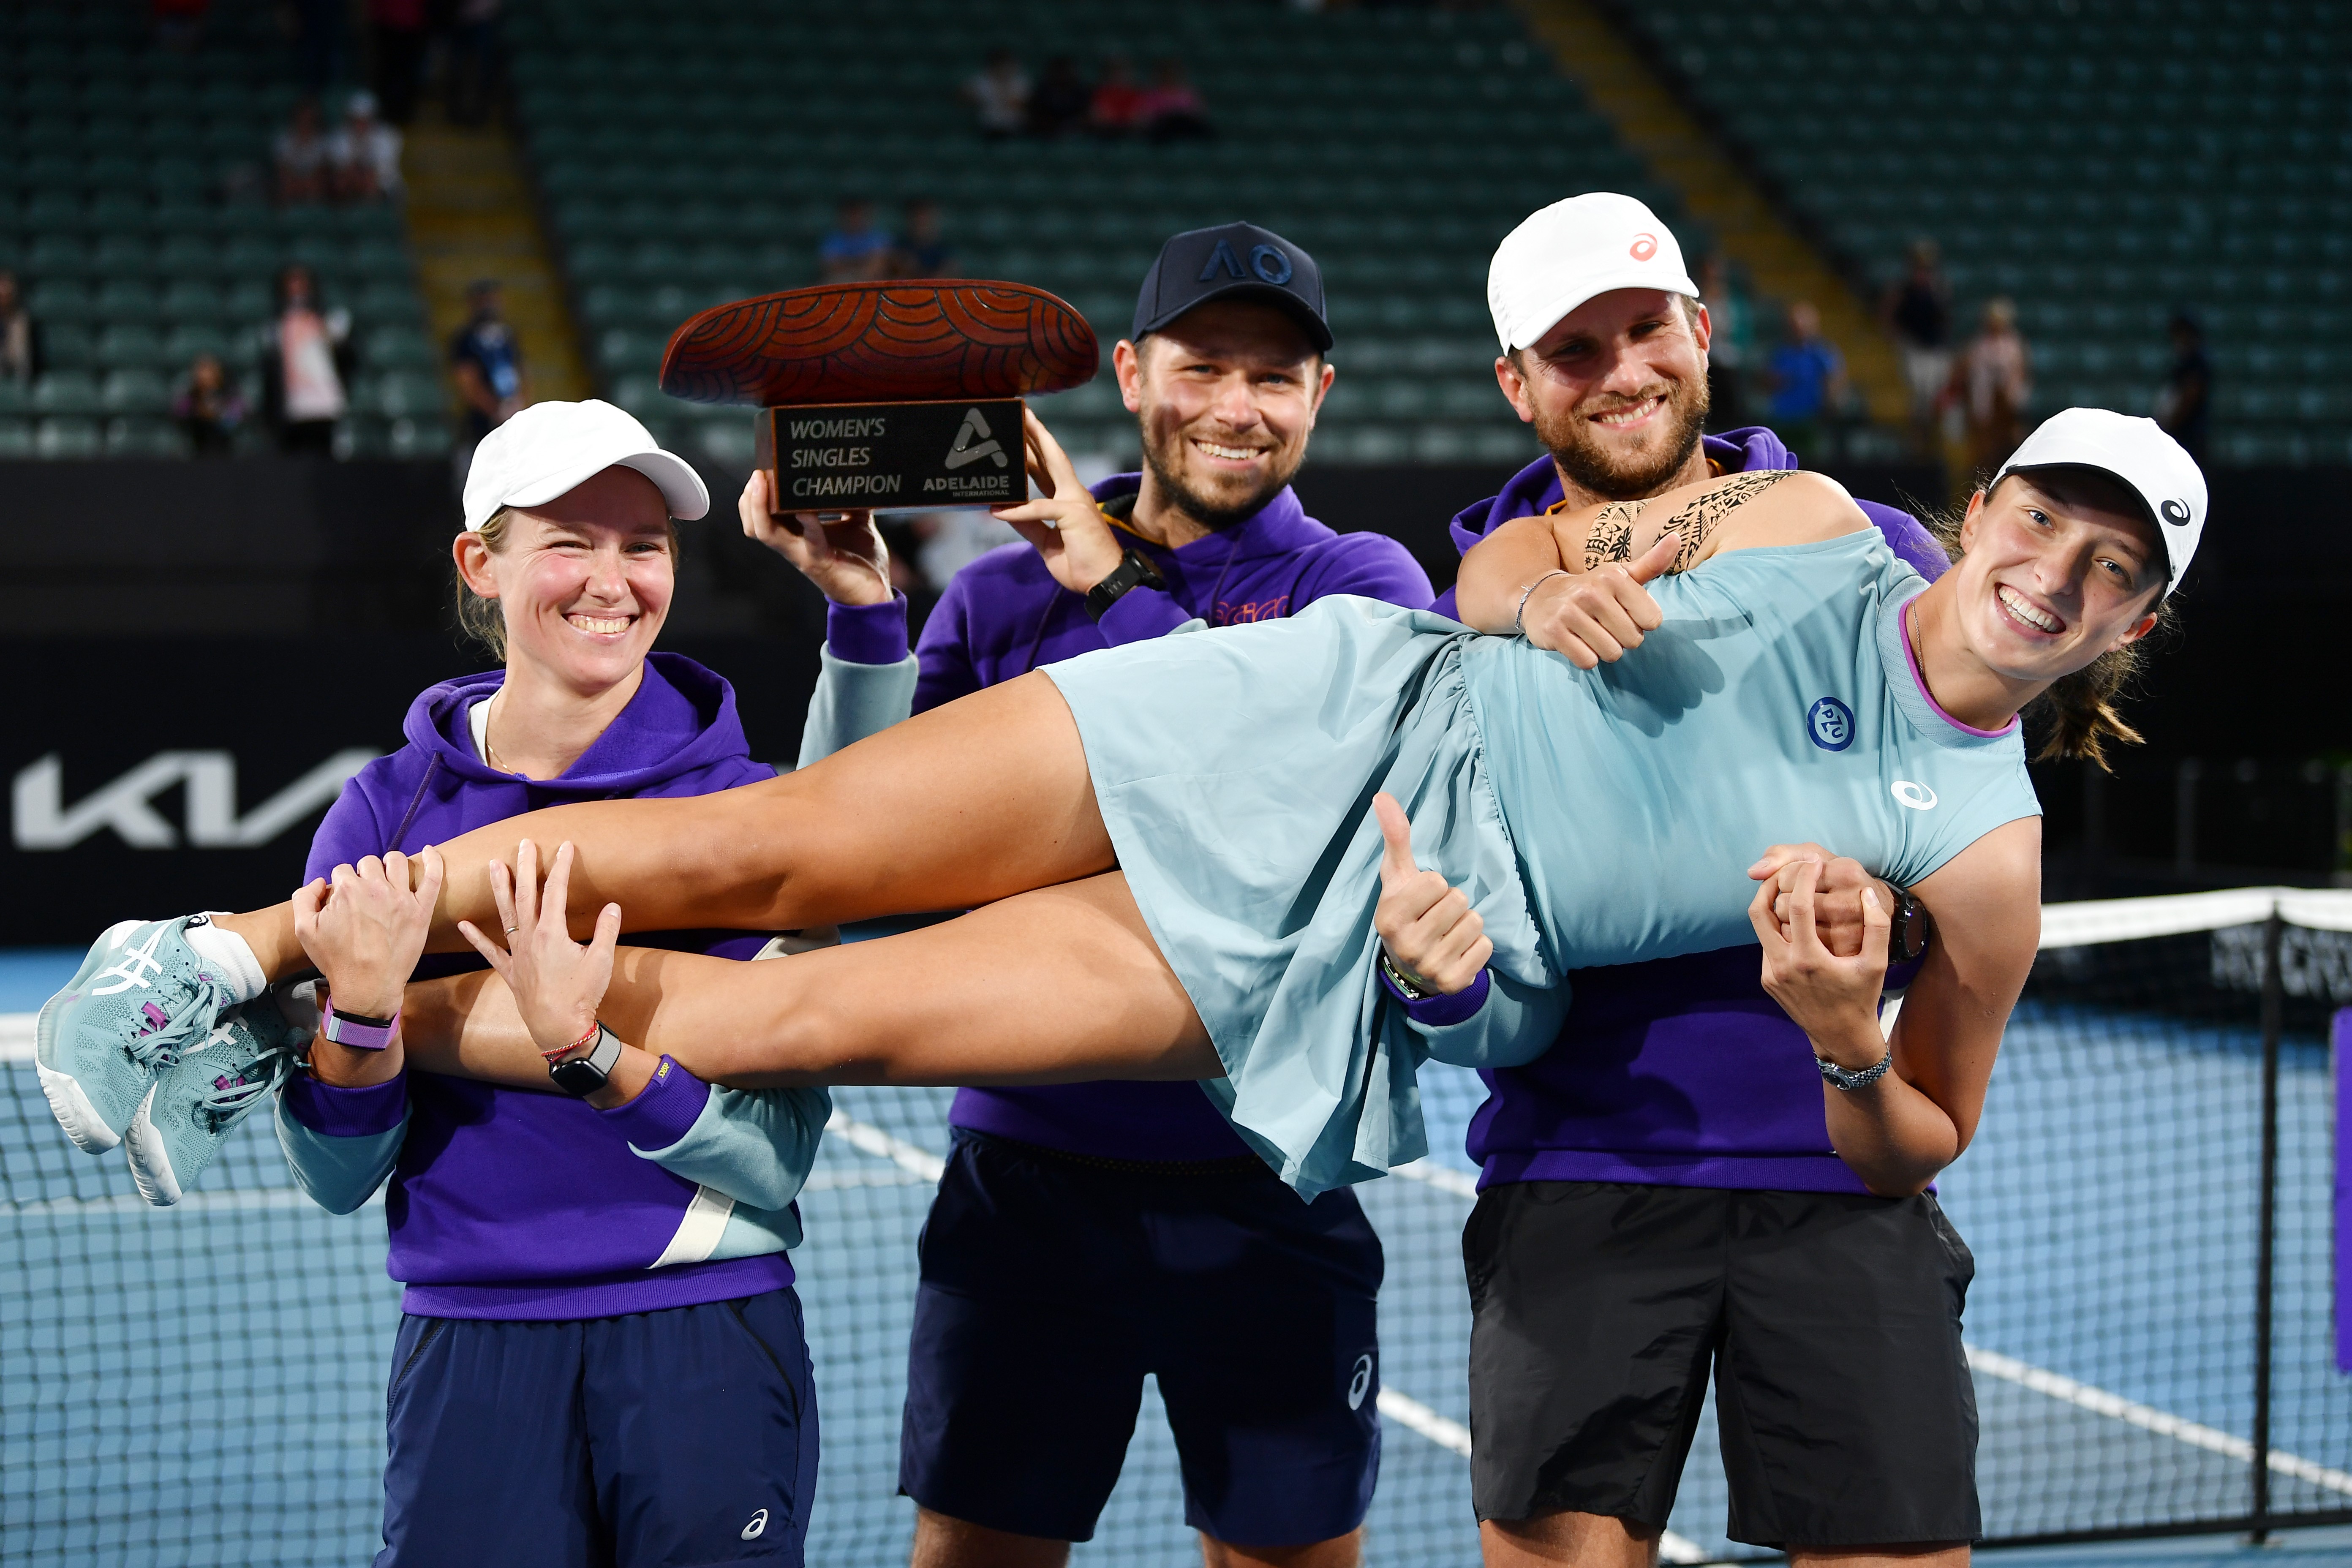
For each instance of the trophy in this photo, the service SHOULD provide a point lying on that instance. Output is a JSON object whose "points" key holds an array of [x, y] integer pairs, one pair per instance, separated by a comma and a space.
{"points": [[892, 396]]}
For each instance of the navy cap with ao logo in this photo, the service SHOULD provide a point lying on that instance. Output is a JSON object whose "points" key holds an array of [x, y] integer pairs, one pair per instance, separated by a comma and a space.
{"points": [[1232, 260]]}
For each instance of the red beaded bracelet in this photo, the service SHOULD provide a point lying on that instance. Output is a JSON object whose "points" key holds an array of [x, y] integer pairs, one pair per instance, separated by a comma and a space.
{"points": [[588, 1039]]}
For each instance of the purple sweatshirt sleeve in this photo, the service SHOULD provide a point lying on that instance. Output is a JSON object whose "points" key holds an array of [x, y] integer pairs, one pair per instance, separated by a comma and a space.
{"points": [[348, 835], [868, 634], [1374, 566], [1141, 615], [663, 1111], [945, 649], [332, 1112], [1437, 1012]]}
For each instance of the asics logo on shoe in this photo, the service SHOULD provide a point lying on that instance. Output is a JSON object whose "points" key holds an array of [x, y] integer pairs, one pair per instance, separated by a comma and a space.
{"points": [[135, 965], [757, 1526]]}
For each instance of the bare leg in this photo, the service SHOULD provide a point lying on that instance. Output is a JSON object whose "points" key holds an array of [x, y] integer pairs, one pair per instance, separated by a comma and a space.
{"points": [[1058, 985], [970, 802], [1951, 1556], [1339, 1552], [1580, 1540], [942, 1542]]}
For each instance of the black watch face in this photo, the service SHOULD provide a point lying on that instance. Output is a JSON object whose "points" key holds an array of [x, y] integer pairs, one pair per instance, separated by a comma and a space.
{"points": [[577, 1077]]}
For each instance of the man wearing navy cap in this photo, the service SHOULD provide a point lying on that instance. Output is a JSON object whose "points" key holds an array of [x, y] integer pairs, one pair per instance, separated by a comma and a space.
{"points": [[1085, 1235]]}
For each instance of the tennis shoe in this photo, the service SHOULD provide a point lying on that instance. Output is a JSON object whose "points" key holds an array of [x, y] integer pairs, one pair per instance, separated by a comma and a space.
{"points": [[141, 995], [199, 1101]]}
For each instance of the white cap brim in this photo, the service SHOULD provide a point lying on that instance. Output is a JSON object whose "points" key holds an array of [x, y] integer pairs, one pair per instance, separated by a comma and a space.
{"points": [[1528, 334], [682, 488]]}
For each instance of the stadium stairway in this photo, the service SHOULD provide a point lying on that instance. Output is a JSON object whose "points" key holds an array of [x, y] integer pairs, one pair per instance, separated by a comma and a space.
{"points": [[470, 216], [1654, 124]]}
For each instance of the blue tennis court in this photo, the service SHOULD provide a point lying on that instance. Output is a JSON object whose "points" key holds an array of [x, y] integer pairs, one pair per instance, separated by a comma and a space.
{"points": [[205, 1385]]}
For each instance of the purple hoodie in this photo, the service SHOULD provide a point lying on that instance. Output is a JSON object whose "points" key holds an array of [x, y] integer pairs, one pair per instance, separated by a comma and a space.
{"points": [[506, 1202], [1005, 615], [1680, 1072]]}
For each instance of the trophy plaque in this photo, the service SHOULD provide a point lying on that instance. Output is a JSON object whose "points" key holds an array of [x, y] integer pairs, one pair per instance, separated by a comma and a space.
{"points": [[896, 397]]}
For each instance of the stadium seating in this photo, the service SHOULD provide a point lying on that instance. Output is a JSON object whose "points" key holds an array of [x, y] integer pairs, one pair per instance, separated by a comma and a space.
{"points": [[132, 209], [2103, 162], [693, 154]]}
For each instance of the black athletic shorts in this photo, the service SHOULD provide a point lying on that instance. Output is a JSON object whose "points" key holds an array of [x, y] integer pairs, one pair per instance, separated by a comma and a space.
{"points": [[1053, 1284], [1832, 1322]]}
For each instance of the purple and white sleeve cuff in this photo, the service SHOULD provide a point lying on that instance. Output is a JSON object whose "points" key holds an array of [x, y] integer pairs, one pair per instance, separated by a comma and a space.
{"points": [[868, 634], [664, 1111], [1437, 1012], [331, 1113]]}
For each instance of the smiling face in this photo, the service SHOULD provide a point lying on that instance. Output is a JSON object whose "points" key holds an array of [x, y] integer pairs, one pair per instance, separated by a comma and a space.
{"points": [[1225, 396], [1616, 390], [2059, 565], [584, 581]]}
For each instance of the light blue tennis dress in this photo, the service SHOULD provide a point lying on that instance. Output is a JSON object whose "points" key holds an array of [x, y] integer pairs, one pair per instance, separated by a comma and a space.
{"points": [[1594, 817]]}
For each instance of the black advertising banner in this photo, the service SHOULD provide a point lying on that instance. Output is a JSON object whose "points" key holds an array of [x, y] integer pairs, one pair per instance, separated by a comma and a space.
{"points": [[149, 778]]}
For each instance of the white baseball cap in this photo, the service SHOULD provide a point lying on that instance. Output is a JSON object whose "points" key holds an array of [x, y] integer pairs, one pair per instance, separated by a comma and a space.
{"points": [[2136, 452], [552, 448], [1572, 251]]}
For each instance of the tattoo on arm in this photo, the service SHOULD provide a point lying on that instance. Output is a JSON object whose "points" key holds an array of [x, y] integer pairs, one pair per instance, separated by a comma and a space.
{"points": [[1612, 536], [1698, 521]]}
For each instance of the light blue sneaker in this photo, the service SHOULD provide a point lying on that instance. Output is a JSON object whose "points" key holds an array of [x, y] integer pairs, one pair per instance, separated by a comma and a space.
{"points": [[199, 1101], [100, 1043]]}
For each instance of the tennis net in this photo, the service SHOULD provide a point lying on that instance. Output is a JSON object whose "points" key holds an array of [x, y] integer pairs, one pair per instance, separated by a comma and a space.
{"points": [[204, 1385]]}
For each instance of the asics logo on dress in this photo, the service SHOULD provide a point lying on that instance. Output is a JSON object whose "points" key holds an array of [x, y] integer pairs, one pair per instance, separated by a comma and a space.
{"points": [[1360, 1382], [1918, 797], [137, 964], [757, 1526]]}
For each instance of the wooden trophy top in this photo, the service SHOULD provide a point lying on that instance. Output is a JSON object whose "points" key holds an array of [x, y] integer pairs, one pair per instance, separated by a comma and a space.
{"points": [[881, 342]]}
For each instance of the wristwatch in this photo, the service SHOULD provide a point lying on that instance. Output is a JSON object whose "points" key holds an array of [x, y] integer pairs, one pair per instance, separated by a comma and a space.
{"points": [[582, 1074], [1847, 1078], [1134, 570], [1412, 987], [1906, 909], [357, 1030]]}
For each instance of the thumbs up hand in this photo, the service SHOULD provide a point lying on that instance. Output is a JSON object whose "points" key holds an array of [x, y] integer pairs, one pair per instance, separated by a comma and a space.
{"points": [[1432, 934], [1592, 617]]}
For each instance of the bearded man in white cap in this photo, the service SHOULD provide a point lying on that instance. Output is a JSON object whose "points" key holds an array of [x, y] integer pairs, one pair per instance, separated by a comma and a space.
{"points": [[1679, 1109]]}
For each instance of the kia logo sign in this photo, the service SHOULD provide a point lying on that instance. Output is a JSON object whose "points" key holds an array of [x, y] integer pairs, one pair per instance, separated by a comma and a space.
{"points": [[1644, 246], [40, 818]]}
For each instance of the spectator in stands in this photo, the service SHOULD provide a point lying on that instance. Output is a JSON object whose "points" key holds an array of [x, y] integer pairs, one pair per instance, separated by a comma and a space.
{"points": [[301, 157], [209, 407], [1808, 377], [486, 361], [999, 96], [854, 250], [305, 365], [401, 29], [924, 252], [20, 344], [1991, 383], [1117, 108], [476, 58], [364, 153], [1060, 103], [1172, 110], [1918, 312], [1730, 348], [2187, 396], [179, 24]]}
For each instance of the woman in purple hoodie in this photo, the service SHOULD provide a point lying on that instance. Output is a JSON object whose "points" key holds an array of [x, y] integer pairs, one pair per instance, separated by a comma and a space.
{"points": [[622, 1377]]}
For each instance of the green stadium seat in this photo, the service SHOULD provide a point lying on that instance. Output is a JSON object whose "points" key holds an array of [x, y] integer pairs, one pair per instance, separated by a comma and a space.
{"points": [[56, 301], [15, 438], [410, 395], [124, 345], [68, 437], [419, 437], [142, 391], [145, 437], [186, 341], [128, 299]]}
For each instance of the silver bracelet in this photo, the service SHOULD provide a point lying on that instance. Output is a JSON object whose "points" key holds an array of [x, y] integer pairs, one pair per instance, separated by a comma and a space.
{"points": [[1520, 621], [1847, 1079]]}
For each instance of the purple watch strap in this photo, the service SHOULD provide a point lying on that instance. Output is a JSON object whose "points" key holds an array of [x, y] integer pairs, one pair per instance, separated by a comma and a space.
{"points": [[1437, 1012], [343, 1031]]}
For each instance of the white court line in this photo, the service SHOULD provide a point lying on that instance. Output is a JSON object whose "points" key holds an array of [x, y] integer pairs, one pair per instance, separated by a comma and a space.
{"points": [[197, 1202], [868, 1139], [2149, 1418]]}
